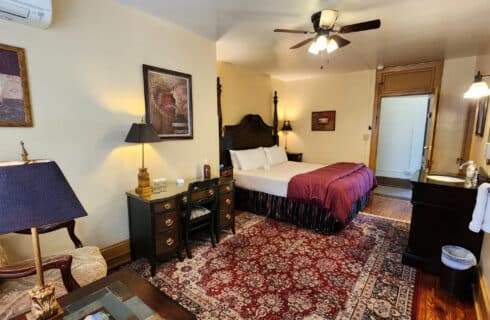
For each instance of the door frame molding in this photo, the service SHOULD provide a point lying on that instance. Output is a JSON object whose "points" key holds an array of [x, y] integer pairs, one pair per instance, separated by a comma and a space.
{"points": [[436, 68]]}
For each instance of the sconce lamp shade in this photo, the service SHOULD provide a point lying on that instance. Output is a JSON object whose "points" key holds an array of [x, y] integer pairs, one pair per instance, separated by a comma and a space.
{"points": [[478, 89], [142, 133], [286, 126], [34, 194]]}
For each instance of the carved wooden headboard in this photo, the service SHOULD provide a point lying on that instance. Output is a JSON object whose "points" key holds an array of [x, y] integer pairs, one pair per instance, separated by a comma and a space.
{"points": [[251, 132]]}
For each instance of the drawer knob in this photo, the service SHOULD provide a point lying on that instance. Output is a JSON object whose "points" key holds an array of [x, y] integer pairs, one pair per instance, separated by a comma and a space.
{"points": [[167, 205], [228, 201], [228, 216], [169, 222], [228, 188], [211, 192], [184, 199], [170, 242]]}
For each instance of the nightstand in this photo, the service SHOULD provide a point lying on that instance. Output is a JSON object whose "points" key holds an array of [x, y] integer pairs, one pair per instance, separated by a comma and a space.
{"points": [[295, 156]]}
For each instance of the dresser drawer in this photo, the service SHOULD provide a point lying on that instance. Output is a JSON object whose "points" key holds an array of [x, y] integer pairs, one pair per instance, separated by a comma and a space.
{"points": [[226, 188], [165, 221], [225, 218], [226, 202], [164, 206], [166, 241]]}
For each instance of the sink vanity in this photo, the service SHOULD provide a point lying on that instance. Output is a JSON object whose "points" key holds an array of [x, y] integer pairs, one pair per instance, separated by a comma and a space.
{"points": [[442, 210]]}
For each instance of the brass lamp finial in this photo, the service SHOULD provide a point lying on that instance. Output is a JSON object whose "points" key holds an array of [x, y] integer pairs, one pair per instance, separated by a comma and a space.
{"points": [[24, 153]]}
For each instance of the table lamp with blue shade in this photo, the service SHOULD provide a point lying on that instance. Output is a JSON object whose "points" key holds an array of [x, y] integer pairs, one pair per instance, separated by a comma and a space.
{"points": [[33, 194]]}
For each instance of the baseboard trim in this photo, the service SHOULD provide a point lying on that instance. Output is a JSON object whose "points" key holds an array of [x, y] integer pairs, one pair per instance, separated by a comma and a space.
{"points": [[482, 300], [117, 254]]}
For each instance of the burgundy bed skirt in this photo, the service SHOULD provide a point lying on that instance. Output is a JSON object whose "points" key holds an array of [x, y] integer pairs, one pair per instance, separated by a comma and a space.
{"points": [[301, 214]]}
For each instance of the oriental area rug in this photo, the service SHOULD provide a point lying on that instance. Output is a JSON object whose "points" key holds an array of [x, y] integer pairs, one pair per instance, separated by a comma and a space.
{"points": [[274, 270]]}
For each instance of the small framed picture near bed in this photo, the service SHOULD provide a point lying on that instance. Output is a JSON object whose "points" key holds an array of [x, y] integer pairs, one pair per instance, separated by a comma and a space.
{"points": [[168, 101], [323, 120], [15, 103], [481, 116]]}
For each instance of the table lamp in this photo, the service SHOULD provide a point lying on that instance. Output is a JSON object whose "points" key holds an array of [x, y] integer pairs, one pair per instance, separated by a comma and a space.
{"points": [[33, 194], [286, 127], [143, 133]]}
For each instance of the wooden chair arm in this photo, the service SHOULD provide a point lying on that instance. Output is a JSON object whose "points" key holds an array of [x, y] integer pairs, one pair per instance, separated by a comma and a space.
{"points": [[61, 262]]}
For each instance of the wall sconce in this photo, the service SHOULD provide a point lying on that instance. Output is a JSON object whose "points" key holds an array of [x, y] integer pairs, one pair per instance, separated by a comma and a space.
{"points": [[479, 88]]}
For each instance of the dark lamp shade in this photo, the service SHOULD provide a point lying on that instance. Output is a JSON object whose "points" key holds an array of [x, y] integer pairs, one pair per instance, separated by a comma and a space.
{"points": [[286, 126], [35, 194], [142, 133]]}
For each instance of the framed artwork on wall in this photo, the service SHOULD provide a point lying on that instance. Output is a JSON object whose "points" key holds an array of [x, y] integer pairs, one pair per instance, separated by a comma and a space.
{"points": [[15, 102], [168, 101], [481, 116], [323, 120]]}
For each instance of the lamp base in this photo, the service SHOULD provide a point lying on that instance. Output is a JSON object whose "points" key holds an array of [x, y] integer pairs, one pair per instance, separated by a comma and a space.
{"points": [[44, 305], [144, 189]]}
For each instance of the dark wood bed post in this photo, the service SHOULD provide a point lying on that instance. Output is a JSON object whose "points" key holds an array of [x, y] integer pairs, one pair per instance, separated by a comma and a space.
{"points": [[275, 121], [220, 121]]}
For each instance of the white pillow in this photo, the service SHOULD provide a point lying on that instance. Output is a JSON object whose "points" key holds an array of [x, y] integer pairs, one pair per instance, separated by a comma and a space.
{"points": [[234, 160], [275, 155], [251, 159]]}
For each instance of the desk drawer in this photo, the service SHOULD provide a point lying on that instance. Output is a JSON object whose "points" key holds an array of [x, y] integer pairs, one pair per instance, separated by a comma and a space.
{"points": [[225, 218], [166, 241], [226, 202], [166, 221], [226, 188], [164, 206]]}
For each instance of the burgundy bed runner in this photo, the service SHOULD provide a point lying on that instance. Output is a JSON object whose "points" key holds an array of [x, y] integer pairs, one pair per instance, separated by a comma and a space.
{"points": [[335, 187]]}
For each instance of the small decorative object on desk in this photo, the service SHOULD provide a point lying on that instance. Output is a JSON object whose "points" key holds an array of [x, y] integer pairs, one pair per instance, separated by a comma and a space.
{"points": [[179, 181], [206, 170], [159, 185]]}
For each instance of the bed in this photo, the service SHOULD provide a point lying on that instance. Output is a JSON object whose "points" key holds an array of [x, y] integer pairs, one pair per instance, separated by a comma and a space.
{"points": [[279, 192]]}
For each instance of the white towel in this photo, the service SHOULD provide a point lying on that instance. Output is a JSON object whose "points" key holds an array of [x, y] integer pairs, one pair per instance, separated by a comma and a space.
{"points": [[481, 213]]}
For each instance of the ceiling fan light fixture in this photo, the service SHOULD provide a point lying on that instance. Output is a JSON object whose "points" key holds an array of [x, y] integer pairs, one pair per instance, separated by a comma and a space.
{"points": [[321, 42], [332, 45], [328, 18], [313, 49]]}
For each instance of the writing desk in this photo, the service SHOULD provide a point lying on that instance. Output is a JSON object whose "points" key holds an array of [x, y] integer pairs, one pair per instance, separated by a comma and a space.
{"points": [[155, 226]]}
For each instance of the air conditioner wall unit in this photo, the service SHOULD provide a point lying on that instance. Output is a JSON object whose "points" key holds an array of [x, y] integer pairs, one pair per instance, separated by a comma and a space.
{"points": [[36, 13]]}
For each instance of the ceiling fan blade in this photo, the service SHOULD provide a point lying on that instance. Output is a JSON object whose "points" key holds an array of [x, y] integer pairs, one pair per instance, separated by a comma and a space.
{"points": [[367, 25], [341, 42], [302, 43], [292, 31]]}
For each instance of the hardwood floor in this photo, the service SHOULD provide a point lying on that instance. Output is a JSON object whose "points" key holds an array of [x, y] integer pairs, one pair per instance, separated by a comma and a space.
{"points": [[432, 303]]}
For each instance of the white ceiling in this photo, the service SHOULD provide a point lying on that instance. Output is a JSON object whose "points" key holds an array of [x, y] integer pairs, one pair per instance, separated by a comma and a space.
{"points": [[411, 31]]}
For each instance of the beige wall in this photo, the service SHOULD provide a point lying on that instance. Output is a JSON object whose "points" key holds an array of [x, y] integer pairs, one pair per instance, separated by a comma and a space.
{"points": [[351, 95], [451, 119], [244, 91], [477, 153], [86, 83]]}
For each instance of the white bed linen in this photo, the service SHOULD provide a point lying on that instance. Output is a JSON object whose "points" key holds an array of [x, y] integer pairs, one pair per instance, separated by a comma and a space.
{"points": [[275, 181]]}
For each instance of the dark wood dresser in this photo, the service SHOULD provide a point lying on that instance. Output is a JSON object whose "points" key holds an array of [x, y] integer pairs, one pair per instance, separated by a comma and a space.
{"points": [[155, 228], [441, 214]]}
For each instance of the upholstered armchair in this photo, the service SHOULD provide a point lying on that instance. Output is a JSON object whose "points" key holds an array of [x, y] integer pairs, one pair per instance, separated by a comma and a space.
{"points": [[67, 270]]}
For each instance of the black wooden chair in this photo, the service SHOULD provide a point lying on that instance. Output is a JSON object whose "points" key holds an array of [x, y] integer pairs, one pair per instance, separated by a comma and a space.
{"points": [[201, 210]]}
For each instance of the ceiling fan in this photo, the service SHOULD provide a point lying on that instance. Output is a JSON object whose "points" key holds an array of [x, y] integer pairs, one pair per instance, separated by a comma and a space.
{"points": [[325, 29]]}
